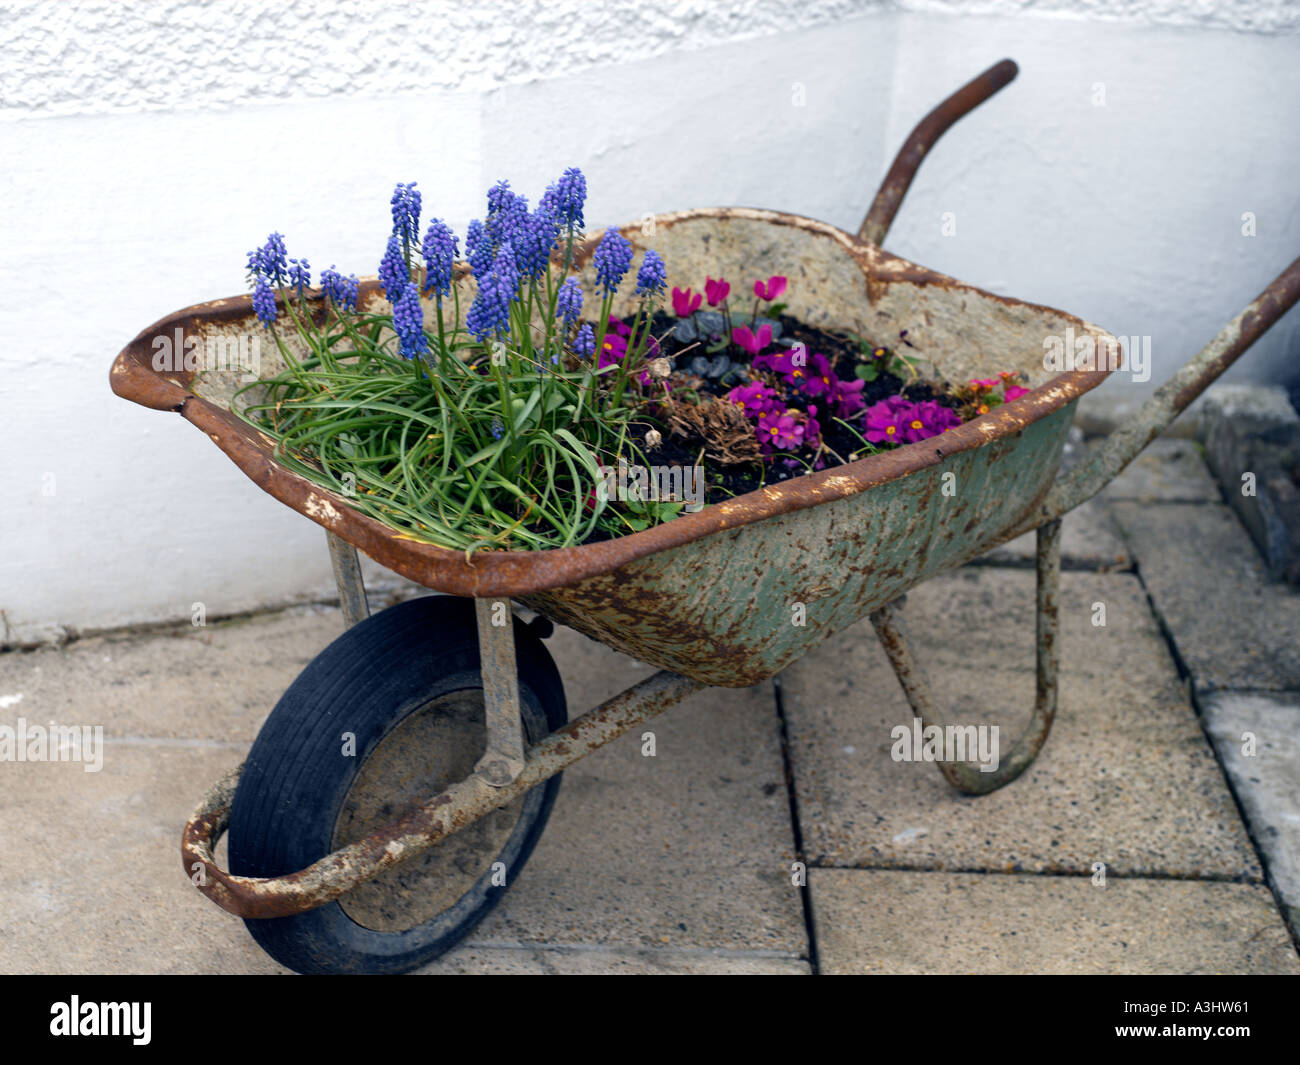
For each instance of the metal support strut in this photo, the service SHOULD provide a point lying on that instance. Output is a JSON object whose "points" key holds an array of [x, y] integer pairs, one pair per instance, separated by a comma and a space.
{"points": [[503, 760], [967, 776], [347, 575]]}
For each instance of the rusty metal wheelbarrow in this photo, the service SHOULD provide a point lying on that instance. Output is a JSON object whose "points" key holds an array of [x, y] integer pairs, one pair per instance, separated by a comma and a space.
{"points": [[455, 714]]}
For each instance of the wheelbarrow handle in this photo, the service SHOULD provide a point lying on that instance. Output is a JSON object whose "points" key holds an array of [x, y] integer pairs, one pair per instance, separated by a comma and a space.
{"points": [[922, 139], [1169, 400]]}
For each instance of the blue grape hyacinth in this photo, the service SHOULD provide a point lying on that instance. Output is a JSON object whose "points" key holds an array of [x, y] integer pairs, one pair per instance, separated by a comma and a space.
{"points": [[393, 272], [584, 344], [478, 248], [568, 304], [612, 259], [490, 313], [507, 214], [537, 233], [439, 250], [270, 261], [341, 291], [299, 275], [406, 214], [566, 197], [264, 302], [408, 323], [652, 278]]}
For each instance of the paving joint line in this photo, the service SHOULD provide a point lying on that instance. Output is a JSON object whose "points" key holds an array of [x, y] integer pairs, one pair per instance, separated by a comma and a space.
{"points": [[1063, 874], [1194, 698], [796, 828]]}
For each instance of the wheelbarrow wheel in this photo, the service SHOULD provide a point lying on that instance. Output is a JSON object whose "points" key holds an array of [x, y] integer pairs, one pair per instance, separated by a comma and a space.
{"points": [[387, 715]]}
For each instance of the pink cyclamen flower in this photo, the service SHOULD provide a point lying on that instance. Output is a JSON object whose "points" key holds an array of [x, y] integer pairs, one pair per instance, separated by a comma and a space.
{"points": [[885, 421], [716, 291], [685, 303], [1010, 392], [754, 399], [769, 291], [745, 337]]}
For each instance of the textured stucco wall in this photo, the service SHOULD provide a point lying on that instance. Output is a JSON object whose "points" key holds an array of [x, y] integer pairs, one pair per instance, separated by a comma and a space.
{"points": [[147, 147], [105, 55]]}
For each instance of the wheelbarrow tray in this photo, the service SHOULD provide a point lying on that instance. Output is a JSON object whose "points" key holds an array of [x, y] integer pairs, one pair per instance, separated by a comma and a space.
{"points": [[729, 595]]}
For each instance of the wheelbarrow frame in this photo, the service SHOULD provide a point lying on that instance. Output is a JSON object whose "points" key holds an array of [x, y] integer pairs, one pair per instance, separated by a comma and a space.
{"points": [[508, 769]]}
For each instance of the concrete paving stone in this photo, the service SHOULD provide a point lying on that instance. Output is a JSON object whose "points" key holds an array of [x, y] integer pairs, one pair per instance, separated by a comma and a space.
{"points": [[1267, 781], [1089, 540], [691, 848], [1231, 627], [217, 682], [1127, 777], [1167, 471], [547, 961], [92, 881], [876, 921]]}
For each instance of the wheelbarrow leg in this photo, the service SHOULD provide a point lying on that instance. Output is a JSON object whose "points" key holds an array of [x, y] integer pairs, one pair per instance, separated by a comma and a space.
{"points": [[503, 760], [967, 776], [347, 575]]}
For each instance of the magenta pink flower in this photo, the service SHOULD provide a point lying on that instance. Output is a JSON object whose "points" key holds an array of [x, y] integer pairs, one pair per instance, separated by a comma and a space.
{"points": [[769, 291], [745, 337], [783, 362], [613, 350], [885, 421], [1010, 392], [716, 291], [685, 303], [779, 432], [819, 379], [928, 419], [847, 397], [983, 386], [812, 430], [755, 399]]}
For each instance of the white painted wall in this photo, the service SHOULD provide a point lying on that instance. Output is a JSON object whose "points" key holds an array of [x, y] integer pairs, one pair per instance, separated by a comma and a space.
{"points": [[146, 147]]}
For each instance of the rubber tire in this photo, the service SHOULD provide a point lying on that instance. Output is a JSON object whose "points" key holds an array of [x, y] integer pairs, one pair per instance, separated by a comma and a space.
{"points": [[295, 783]]}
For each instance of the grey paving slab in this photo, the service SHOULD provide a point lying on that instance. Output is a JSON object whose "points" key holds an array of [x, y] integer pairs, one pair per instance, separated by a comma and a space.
{"points": [[552, 961], [879, 921], [1089, 540], [1232, 628], [1257, 736], [92, 881], [645, 857], [1167, 471], [217, 682], [691, 848], [1127, 777]]}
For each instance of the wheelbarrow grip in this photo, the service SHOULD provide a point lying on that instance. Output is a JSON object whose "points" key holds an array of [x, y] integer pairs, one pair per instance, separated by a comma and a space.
{"points": [[922, 139], [1123, 445]]}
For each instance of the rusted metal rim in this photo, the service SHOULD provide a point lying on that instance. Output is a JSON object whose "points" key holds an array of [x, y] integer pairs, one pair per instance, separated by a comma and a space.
{"points": [[520, 573]]}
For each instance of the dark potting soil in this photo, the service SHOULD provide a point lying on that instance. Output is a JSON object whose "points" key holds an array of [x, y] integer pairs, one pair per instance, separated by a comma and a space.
{"points": [[723, 482], [844, 355]]}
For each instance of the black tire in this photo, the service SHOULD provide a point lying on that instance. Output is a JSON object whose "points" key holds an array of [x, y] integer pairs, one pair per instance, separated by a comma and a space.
{"points": [[408, 676]]}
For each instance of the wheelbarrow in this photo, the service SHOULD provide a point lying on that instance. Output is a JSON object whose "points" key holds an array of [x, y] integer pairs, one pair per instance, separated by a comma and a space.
{"points": [[403, 779]]}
